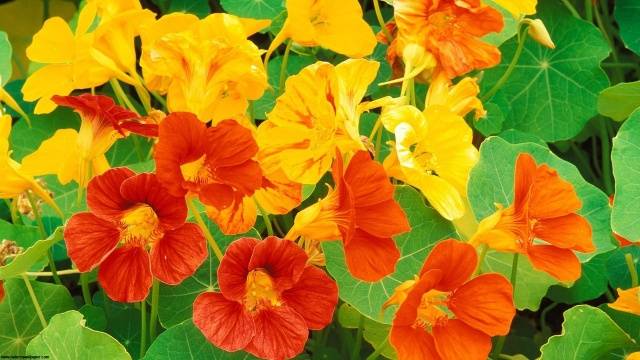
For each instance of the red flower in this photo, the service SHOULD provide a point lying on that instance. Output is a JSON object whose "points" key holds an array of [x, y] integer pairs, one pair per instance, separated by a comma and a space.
{"points": [[446, 314], [269, 299], [215, 163], [130, 216], [362, 212]]}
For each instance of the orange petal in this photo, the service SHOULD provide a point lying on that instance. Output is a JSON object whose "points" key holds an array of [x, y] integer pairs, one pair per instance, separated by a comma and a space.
{"points": [[551, 196], [408, 310], [90, 240], [413, 343], [456, 260], [178, 254], [456, 340], [368, 180], [628, 301], [314, 296], [280, 334], [370, 258], [238, 218], [125, 275], [524, 174], [562, 264], [570, 232]]}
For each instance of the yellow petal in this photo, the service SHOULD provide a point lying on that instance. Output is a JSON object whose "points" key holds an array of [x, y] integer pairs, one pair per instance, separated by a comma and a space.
{"points": [[344, 31], [441, 195], [44, 83], [53, 44], [280, 195], [85, 18], [628, 301], [518, 7], [497, 237], [57, 155]]}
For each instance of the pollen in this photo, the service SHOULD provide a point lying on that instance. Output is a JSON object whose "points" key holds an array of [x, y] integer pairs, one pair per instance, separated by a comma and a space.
{"points": [[260, 291], [140, 225], [433, 309]]}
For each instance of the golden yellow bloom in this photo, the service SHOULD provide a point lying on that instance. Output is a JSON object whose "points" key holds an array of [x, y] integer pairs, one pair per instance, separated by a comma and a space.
{"points": [[519, 7], [207, 67], [628, 301], [106, 9], [67, 60], [633, 356], [460, 98], [335, 25], [433, 152], [318, 112]]}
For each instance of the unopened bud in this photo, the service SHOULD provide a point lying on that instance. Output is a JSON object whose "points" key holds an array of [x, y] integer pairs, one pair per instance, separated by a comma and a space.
{"points": [[539, 33]]}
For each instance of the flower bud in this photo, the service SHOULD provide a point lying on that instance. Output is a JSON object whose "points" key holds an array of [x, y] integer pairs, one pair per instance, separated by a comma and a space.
{"points": [[539, 33]]}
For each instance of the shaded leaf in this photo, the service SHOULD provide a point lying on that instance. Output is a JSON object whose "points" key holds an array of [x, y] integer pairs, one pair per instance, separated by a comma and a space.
{"points": [[257, 9], [627, 13], [24, 261], [619, 101]]}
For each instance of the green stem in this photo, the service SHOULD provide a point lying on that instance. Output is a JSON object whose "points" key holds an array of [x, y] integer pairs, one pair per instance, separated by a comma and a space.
{"points": [[35, 302], [571, 8], [205, 229], [15, 219], [120, 94], [584, 161], [628, 258], [588, 8], [412, 89], [143, 327], [355, 354], [43, 233], [618, 75], [153, 320], [514, 273], [383, 28], [605, 155], [265, 216], [543, 314], [374, 355], [522, 39], [48, 273], [283, 67], [620, 65], [84, 283], [45, 10]]}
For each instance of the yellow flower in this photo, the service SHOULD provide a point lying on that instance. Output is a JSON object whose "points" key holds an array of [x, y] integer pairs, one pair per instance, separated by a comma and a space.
{"points": [[519, 8], [67, 60], [460, 98], [207, 67], [633, 356], [107, 9], [15, 179], [433, 152], [318, 112], [335, 25], [628, 301]]}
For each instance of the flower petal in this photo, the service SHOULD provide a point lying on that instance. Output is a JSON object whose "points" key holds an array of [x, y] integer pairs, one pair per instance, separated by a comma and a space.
{"points": [[89, 240], [224, 322], [238, 218], [280, 334], [413, 343], [314, 296], [103, 194], [408, 310], [178, 254], [125, 275], [234, 268], [283, 260], [628, 301], [456, 260], [570, 231], [551, 196], [385, 219], [456, 340], [370, 258], [562, 264], [368, 180]]}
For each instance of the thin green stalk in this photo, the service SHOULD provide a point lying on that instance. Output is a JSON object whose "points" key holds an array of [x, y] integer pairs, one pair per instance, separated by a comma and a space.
{"points": [[584, 161], [43, 233], [588, 9], [35, 302], [383, 28], [153, 320], [543, 314], [143, 327], [45, 10], [605, 143], [620, 65], [374, 355], [205, 229], [265, 216], [283, 67], [412, 89], [628, 258], [48, 273], [514, 273], [12, 211], [120, 94], [618, 75], [571, 8], [522, 39], [355, 353], [84, 283]]}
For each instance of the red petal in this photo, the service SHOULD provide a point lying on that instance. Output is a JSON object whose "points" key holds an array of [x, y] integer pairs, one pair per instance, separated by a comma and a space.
{"points": [[525, 171], [148, 130], [283, 259], [99, 109], [89, 240], [562, 264], [281, 333], [456, 259], [181, 141], [485, 303], [368, 180], [103, 194], [386, 219], [220, 196], [145, 188], [315, 297], [223, 322], [551, 196], [457, 340], [408, 310], [234, 268], [245, 177], [370, 258], [413, 343], [230, 144], [125, 275], [178, 254], [570, 231], [1, 291]]}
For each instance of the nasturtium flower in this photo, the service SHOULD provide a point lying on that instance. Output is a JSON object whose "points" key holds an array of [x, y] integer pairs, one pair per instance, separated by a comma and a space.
{"points": [[360, 211], [67, 60], [134, 231], [628, 301], [633, 356], [448, 314], [450, 30], [460, 98], [335, 25], [80, 155], [518, 8], [111, 8], [318, 113], [207, 67], [269, 299], [433, 151], [541, 223]]}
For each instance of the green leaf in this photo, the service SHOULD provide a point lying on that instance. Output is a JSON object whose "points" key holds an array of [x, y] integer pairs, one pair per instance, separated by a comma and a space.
{"points": [[67, 337], [617, 269], [95, 316], [518, 137], [199, 8], [587, 333], [123, 321], [18, 319], [627, 13], [619, 101], [5, 58], [25, 140], [24, 261], [625, 159], [491, 182], [591, 285], [130, 150], [552, 93], [257, 9], [509, 29], [491, 124], [374, 333], [176, 302], [630, 323], [428, 227], [185, 341]]}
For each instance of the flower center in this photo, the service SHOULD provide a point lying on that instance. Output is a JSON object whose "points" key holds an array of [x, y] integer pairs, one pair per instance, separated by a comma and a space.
{"points": [[433, 309], [140, 226], [197, 171], [260, 291]]}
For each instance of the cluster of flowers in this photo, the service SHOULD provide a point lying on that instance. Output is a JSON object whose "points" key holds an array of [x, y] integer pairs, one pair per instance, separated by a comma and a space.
{"points": [[272, 291]]}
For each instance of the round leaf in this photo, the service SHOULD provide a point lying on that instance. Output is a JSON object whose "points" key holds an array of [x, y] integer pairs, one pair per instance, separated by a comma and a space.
{"points": [[627, 13], [618, 101]]}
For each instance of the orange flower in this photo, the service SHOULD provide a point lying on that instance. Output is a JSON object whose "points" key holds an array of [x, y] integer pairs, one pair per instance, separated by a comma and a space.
{"points": [[628, 301], [362, 213], [544, 208], [451, 31], [446, 314]]}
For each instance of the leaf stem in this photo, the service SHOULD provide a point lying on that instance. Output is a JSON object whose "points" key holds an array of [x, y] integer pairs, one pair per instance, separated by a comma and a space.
{"points": [[265, 216], [120, 94], [571, 9], [43, 233], [383, 28], [514, 273], [283, 67], [605, 155], [628, 258], [522, 39], [143, 327], [374, 355], [355, 353], [34, 300], [153, 320], [483, 254], [204, 228], [84, 283], [47, 273]]}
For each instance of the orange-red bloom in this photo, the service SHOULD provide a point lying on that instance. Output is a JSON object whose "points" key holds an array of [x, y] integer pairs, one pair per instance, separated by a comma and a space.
{"points": [[362, 212], [446, 314], [269, 299], [544, 208], [216, 163], [131, 215], [451, 31]]}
